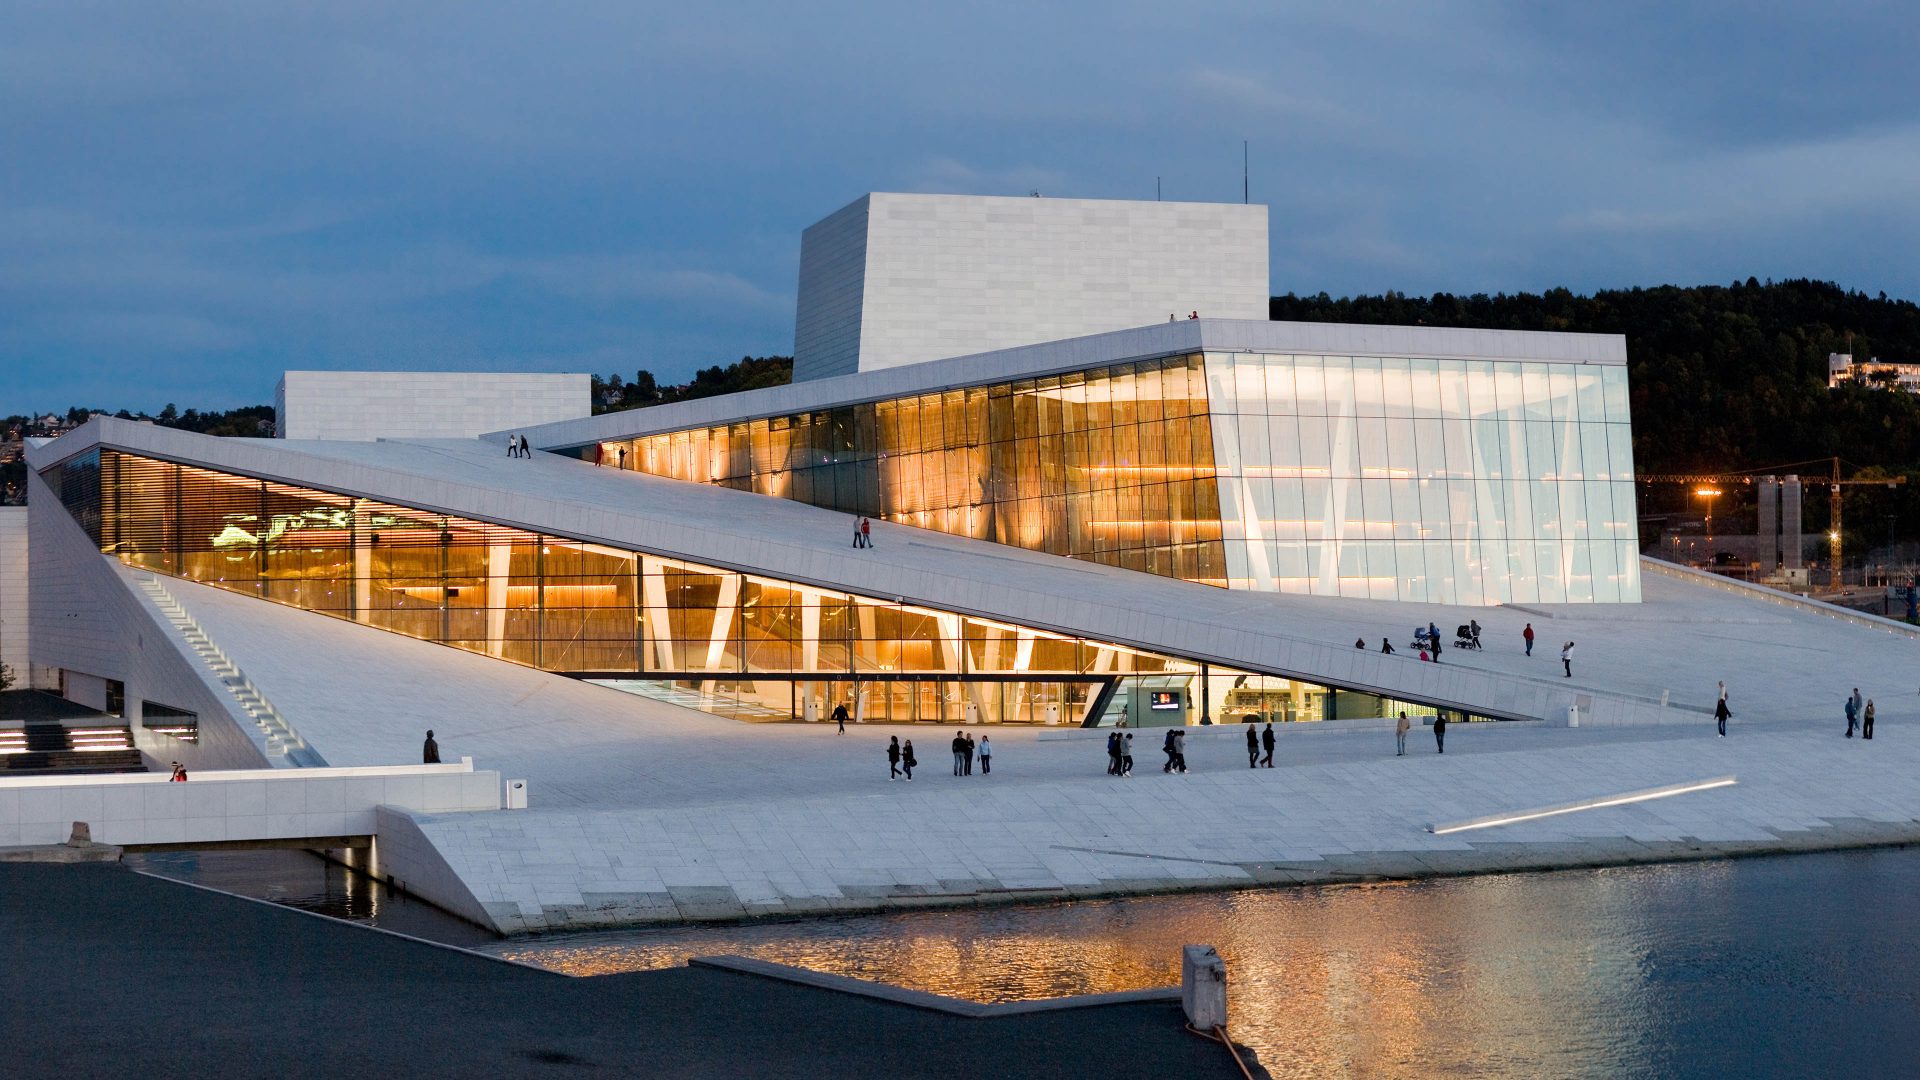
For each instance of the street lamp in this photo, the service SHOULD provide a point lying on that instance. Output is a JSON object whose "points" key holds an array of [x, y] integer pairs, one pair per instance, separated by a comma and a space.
{"points": [[1709, 494]]}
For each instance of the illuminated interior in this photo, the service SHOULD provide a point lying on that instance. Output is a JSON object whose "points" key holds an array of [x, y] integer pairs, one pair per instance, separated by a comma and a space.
{"points": [[734, 643], [1442, 481], [1112, 465]]}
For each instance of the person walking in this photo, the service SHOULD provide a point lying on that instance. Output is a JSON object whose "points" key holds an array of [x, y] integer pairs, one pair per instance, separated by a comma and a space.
{"points": [[893, 758], [1440, 732], [1126, 755], [1400, 736], [907, 761], [1179, 750], [1857, 706], [1433, 641], [966, 749], [1386, 647], [1866, 721], [513, 445], [1253, 748], [1566, 659], [1853, 715], [1721, 713], [959, 747], [840, 718], [525, 450], [856, 534], [1167, 749], [430, 752], [986, 756], [866, 533], [1266, 742], [1113, 753], [1527, 636]]}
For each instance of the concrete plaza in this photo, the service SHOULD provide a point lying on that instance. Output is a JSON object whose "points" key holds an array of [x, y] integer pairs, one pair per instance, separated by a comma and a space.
{"points": [[645, 812]]}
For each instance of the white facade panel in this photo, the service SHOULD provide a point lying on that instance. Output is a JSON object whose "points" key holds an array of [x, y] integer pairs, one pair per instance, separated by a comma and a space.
{"points": [[13, 592], [951, 275], [362, 406]]}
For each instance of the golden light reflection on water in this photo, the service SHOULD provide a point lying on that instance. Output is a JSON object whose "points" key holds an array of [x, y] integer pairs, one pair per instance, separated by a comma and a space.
{"points": [[1524, 976]]}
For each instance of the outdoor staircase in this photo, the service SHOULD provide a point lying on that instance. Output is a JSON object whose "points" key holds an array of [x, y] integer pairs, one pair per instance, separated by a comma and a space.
{"points": [[282, 745], [53, 747]]}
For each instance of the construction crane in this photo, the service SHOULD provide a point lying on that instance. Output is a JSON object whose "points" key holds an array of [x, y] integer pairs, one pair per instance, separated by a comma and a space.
{"points": [[1745, 476]]}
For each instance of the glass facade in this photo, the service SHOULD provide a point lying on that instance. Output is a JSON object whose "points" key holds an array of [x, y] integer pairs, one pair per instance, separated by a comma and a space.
{"points": [[1442, 481], [1113, 465], [1445, 481], [729, 642]]}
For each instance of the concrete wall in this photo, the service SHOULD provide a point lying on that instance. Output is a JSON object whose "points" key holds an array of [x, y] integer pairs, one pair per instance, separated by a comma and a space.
{"points": [[266, 804], [368, 405], [950, 275], [13, 592], [84, 619]]}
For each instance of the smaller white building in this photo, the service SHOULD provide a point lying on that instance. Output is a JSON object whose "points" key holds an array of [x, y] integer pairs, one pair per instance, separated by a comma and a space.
{"points": [[361, 406], [1841, 370], [894, 279]]}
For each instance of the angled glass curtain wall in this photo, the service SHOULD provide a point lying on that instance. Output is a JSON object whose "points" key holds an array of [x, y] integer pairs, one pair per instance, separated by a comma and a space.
{"points": [[734, 643], [1444, 481], [1113, 465]]}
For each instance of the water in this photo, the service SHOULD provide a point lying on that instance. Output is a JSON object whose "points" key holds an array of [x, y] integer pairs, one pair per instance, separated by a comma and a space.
{"points": [[1789, 966], [303, 880]]}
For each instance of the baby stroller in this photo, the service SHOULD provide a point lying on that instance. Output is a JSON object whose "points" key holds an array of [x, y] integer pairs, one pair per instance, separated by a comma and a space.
{"points": [[1466, 637], [1421, 639]]}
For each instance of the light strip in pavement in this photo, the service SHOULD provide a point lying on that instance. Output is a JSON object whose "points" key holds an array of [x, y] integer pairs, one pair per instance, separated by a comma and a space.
{"points": [[1622, 799]]}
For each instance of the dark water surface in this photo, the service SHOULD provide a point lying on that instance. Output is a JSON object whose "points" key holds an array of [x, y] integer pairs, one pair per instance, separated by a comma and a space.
{"points": [[303, 880], [1805, 965]]}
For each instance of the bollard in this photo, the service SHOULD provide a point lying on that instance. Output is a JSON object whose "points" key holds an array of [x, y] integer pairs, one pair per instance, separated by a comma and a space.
{"points": [[81, 836], [516, 794], [1203, 987]]}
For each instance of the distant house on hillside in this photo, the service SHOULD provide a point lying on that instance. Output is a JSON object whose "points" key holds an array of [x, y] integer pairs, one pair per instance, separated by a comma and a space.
{"points": [[1841, 371]]}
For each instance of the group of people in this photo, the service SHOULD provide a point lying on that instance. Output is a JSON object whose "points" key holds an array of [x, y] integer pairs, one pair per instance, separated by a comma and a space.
{"points": [[964, 752], [900, 759], [1119, 754], [863, 534], [1427, 643], [517, 446], [1255, 742], [1860, 715]]}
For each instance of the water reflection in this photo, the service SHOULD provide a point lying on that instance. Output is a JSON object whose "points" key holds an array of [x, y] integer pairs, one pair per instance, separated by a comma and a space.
{"points": [[304, 880], [1586, 973]]}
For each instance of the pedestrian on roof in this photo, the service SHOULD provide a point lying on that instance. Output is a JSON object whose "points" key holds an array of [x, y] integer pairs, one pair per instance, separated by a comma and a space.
{"points": [[1440, 732], [1400, 736], [430, 751], [1386, 647], [1566, 659], [1866, 724], [986, 756], [179, 774], [1527, 635], [1721, 713], [1253, 749], [1853, 711], [1266, 743], [1126, 755], [893, 758], [907, 761]]}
